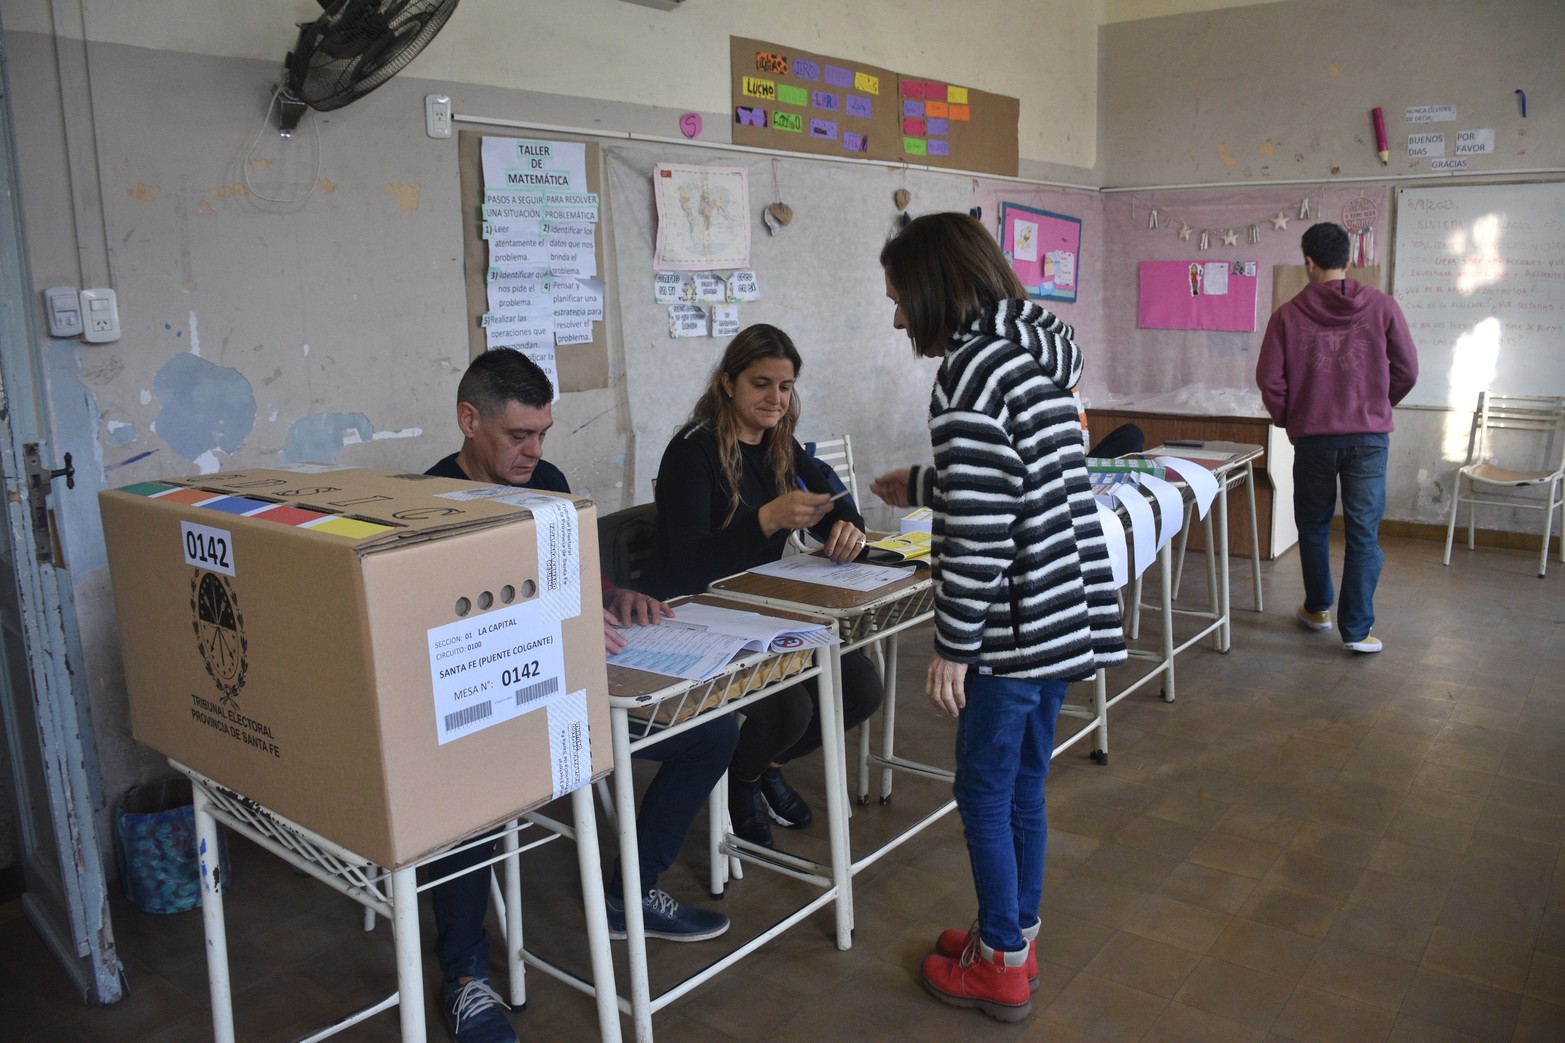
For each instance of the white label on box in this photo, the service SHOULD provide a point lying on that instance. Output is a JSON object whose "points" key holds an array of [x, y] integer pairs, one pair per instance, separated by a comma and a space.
{"points": [[207, 548], [570, 748], [483, 492], [559, 552], [491, 668]]}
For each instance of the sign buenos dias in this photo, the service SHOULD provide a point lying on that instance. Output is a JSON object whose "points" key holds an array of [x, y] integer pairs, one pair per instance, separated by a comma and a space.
{"points": [[797, 101]]}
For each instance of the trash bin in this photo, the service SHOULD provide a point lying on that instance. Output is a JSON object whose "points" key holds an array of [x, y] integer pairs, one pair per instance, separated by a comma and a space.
{"points": [[155, 846]]}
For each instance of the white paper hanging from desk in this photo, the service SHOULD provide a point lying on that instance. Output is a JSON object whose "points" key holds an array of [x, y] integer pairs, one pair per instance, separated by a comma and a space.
{"points": [[812, 568], [1143, 527], [1202, 482], [1114, 541], [1170, 507]]}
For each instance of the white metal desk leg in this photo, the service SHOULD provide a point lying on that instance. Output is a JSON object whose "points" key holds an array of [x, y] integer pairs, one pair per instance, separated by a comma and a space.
{"points": [[889, 716], [512, 877], [1222, 570], [410, 967], [1100, 706], [1165, 567], [1184, 542], [1255, 535], [213, 923], [832, 742], [630, 877], [587, 859]]}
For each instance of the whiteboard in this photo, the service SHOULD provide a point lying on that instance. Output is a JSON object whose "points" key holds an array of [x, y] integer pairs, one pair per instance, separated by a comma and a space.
{"points": [[1479, 271]]}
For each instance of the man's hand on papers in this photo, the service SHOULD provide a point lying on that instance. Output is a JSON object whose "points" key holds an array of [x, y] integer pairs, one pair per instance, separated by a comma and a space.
{"points": [[893, 487], [623, 607]]}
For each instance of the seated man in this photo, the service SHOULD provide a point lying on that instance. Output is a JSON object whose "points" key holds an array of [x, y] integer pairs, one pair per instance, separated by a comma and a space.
{"points": [[503, 408]]}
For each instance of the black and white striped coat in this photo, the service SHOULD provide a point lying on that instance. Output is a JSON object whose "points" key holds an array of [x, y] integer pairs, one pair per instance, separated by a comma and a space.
{"points": [[1022, 581]]}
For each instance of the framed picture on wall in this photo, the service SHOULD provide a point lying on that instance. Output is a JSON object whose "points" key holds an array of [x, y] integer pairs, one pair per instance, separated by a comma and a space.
{"points": [[1044, 249]]}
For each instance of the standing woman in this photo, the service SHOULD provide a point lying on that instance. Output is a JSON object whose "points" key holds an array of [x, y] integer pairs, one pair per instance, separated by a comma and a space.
{"points": [[1024, 599], [732, 485]]}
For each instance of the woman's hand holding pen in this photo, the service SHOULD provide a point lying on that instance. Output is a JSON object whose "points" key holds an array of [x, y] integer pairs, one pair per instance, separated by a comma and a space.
{"points": [[798, 509]]}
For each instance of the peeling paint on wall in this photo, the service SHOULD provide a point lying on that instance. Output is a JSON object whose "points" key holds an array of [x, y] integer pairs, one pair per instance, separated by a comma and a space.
{"points": [[224, 191], [1222, 154], [206, 207], [1266, 148], [143, 193], [119, 432], [327, 185], [205, 407], [319, 437], [260, 164], [407, 197], [195, 336]]}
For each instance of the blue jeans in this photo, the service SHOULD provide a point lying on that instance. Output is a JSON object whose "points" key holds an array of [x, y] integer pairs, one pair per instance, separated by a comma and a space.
{"points": [[692, 762], [1361, 470], [1004, 739]]}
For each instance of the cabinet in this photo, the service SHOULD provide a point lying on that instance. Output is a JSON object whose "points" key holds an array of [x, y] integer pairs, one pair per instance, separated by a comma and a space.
{"points": [[1273, 470]]}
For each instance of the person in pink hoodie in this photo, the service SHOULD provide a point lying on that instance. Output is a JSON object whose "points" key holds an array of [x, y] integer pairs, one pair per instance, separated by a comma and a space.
{"points": [[1333, 363]]}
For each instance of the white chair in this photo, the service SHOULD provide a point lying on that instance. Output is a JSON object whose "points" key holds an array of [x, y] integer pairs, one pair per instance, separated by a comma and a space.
{"points": [[1535, 414]]}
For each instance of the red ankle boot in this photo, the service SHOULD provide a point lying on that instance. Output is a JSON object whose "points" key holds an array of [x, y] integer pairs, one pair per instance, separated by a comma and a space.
{"points": [[994, 982], [952, 942]]}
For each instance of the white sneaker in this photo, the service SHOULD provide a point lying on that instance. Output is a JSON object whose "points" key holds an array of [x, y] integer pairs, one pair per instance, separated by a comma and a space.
{"points": [[1367, 643]]}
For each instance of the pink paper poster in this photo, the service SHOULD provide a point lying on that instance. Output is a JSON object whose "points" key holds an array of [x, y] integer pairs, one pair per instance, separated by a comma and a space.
{"points": [[1044, 250], [1197, 295]]}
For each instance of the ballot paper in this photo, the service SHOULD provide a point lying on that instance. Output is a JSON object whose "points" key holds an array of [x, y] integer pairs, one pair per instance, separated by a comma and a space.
{"points": [[701, 639], [813, 568]]}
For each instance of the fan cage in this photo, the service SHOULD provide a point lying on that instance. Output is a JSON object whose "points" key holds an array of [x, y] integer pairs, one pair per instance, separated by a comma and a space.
{"points": [[357, 45]]}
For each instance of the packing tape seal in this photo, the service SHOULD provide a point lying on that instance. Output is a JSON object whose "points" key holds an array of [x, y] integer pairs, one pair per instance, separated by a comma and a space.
{"points": [[559, 553]]}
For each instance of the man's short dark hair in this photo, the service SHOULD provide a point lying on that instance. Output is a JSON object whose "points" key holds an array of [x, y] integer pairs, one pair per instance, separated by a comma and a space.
{"points": [[1327, 245], [501, 376]]}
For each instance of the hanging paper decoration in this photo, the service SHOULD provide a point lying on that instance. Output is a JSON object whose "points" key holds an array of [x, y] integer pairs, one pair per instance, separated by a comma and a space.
{"points": [[1255, 233], [1152, 220], [1304, 209], [1184, 231], [1280, 222], [1205, 240]]}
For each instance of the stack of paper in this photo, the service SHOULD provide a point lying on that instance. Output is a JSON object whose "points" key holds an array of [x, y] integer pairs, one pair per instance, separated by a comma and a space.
{"points": [[701, 639]]}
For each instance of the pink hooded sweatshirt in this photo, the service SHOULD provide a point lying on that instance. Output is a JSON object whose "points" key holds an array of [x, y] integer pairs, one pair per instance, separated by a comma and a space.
{"points": [[1334, 361]]}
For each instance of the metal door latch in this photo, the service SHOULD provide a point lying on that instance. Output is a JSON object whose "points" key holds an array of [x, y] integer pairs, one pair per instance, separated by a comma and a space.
{"points": [[39, 480]]}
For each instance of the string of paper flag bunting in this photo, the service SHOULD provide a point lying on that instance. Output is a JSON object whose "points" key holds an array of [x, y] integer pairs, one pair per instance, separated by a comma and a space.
{"points": [[1358, 217]]}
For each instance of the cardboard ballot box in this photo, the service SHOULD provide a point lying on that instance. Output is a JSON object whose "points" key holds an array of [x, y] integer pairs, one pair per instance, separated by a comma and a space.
{"points": [[390, 660]]}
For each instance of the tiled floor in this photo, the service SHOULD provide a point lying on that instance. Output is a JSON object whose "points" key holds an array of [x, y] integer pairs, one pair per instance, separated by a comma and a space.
{"points": [[1306, 846]]}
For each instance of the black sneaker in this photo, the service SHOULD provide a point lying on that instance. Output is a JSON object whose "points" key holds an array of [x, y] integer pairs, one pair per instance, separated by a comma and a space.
{"points": [[745, 807], [474, 1012], [783, 803], [665, 918]]}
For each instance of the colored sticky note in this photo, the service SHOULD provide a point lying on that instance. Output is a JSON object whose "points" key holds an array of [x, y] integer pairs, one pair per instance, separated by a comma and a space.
{"points": [[749, 117], [913, 128], [756, 87], [188, 496], [863, 108], [934, 91], [789, 121], [837, 76], [959, 114], [913, 89], [956, 95], [936, 128], [939, 147], [805, 69], [825, 130], [148, 488], [234, 505], [772, 64], [788, 94], [824, 100], [852, 142], [912, 108], [914, 146], [863, 81], [935, 108], [283, 514], [352, 528]]}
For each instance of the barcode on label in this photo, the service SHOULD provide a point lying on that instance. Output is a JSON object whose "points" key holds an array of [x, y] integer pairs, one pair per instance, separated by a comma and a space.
{"points": [[468, 714], [533, 692]]}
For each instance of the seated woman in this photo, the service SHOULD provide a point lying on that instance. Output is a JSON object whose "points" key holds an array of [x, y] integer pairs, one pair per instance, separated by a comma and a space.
{"points": [[732, 485]]}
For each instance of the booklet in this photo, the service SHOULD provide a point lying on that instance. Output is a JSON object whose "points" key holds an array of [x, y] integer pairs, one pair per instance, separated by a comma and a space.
{"points": [[701, 639], [893, 550]]}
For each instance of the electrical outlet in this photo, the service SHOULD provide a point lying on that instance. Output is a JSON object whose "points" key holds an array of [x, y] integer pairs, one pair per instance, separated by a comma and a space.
{"points": [[101, 313], [437, 115]]}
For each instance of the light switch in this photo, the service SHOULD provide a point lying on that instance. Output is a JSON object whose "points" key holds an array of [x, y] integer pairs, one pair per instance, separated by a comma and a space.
{"points": [[100, 310], [63, 309]]}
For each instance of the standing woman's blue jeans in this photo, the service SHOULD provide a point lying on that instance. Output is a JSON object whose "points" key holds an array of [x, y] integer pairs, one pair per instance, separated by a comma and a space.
{"points": [[1004, 738]]}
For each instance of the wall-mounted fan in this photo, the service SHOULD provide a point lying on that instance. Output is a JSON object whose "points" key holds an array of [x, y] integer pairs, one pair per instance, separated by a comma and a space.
{"points": [[352, 48]]}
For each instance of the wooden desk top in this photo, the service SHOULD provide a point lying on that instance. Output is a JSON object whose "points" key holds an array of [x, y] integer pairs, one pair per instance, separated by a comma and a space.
{"points": [[833, 600]]}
